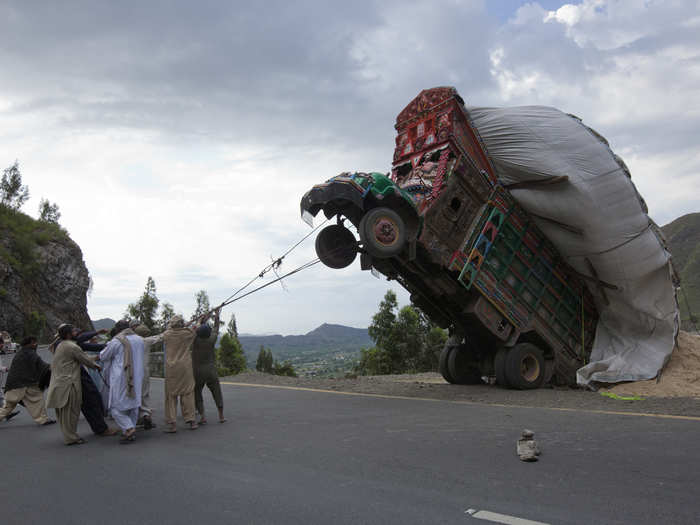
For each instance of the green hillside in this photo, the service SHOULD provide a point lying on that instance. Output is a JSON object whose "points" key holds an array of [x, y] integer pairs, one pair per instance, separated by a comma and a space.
{"points": [[327, 350], [683, 238]]}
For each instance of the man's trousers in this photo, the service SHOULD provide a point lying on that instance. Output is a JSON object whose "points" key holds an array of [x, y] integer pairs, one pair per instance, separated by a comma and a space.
{"points": [[68, 416], [91, 406], [206, 375], [33, 400], [187, 406]]}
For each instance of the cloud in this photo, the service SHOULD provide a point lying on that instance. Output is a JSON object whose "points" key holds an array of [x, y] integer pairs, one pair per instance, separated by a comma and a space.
{"points": [[178, 137], [629, 69]]}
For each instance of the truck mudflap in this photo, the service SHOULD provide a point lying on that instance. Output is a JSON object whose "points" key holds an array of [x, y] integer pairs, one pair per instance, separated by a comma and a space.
{"points": [[333, 197]]}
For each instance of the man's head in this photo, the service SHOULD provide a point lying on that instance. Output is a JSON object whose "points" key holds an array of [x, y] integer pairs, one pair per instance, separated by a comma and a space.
{"points": [[176, 322], [204, 331], [142, 330], [65, 331], [121, 325], [29, 341], [76, 332]]}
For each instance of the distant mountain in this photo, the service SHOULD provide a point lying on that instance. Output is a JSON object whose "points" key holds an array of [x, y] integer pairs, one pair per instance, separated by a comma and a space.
{"points": [[683, 239], [106, 323], [323, 342]]}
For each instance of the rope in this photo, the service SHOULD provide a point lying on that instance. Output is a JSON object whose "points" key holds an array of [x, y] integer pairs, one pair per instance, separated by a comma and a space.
{"points": [[296, 270], [273, 266]]}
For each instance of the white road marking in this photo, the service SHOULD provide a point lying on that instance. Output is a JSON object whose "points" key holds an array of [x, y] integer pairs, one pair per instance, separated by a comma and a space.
{"points": [[501, 518]]}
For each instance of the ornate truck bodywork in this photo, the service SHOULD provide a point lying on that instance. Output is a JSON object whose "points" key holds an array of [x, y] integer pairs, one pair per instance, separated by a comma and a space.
{"points": [[471, 257]]}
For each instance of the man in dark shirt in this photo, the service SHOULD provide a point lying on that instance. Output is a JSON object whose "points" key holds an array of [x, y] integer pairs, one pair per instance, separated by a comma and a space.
{"points": [[91, 405], [22, 384], [204, 366]]}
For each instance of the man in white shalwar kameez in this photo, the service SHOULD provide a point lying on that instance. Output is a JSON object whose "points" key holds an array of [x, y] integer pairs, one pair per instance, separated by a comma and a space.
{"points": [[123, 358]]}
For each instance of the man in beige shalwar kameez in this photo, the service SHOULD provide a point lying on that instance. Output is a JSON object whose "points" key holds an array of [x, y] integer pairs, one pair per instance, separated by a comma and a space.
{"points": [[65, 391], [179, 376]]}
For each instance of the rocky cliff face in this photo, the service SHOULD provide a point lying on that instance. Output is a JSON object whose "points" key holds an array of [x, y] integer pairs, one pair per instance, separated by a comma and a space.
{"points": [[43, 279]]}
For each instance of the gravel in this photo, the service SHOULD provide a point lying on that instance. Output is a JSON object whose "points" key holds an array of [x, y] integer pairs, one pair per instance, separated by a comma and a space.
{"points": [[432, 386]]}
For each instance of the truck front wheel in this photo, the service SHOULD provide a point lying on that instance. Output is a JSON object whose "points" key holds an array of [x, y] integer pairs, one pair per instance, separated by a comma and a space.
{"points": [[463, 368], [336, 246], [499, 365], [443, 363], [382, 232], [524, 367]]}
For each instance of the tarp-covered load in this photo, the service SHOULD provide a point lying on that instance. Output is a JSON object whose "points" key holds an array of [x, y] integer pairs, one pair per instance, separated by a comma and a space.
{"points": [[599, 223]]}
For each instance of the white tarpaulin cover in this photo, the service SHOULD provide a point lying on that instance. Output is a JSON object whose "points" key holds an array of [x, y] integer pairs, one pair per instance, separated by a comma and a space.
{"points": [[639, 321]]}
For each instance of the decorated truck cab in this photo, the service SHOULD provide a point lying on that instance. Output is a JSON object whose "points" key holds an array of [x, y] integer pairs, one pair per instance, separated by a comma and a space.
{"points": [[472, 258]]}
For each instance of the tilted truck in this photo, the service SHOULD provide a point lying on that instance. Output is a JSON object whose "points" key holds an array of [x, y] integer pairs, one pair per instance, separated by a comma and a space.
{"points": [[471, 257]]}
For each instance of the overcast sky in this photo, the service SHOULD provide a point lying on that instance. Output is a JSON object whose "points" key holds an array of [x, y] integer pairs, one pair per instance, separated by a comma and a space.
{"points": [[178, 137]]}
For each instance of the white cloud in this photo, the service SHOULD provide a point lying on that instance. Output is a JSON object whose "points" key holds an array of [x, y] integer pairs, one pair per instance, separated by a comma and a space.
{"points": [[182, 152]]}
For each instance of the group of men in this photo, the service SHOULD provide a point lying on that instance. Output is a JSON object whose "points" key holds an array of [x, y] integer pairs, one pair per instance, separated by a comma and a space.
{"points": [[113, 378]]}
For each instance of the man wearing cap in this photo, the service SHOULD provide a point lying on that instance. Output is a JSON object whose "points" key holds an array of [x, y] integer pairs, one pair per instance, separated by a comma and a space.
{"points": [[179, 377], [22, 384], [204, 364], [65, 393]]}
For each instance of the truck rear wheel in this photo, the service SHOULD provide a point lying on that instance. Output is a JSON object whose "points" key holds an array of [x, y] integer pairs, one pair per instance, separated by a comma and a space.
{"points": [[524, 366], [336, 246], [462, 367], [382, 232]]}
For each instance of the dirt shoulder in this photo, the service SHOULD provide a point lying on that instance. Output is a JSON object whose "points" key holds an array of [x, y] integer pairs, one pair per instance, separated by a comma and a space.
{"points": [[432, 386]]}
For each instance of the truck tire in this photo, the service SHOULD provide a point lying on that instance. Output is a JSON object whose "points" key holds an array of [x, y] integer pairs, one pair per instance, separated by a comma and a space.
{"points": [[524, 366], [462, 369], [443, 363], [336, 246], [499, 365], [382, 232]]}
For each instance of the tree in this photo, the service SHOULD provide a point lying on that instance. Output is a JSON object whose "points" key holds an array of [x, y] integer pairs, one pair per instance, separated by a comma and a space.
{"points": [[232, 328], [283, 369], [144, 310], [265, 361], [48, 212], [230, 357], [382, 328], [372, 362], [404, 342], [167, 312], [12, 194], [408, 341], [202, 299]]}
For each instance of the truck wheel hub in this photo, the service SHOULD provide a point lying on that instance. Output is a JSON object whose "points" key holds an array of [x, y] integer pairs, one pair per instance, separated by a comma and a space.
{"points": [[385, 231], [529, 368]]}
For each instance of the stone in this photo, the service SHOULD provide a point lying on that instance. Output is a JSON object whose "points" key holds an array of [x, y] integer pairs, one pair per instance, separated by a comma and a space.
{"points": [[527, 448]]}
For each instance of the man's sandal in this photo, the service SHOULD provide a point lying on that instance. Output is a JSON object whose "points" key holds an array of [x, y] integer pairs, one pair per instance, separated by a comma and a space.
{"points": [[127, 438]]}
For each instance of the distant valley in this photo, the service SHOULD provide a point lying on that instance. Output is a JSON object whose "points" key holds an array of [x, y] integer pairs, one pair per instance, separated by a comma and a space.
{"points": [[329, 349]]}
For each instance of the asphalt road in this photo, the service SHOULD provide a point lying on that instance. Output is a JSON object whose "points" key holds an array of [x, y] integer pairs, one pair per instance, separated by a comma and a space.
{"points": [[310, 457]]}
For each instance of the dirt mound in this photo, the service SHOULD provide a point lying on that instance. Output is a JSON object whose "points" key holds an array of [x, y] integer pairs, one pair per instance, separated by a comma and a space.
{"points": [[680, 378]]}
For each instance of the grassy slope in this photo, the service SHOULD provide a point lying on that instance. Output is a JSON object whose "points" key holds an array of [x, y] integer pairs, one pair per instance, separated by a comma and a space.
{"points": [[683, 237], [20, 235]]}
